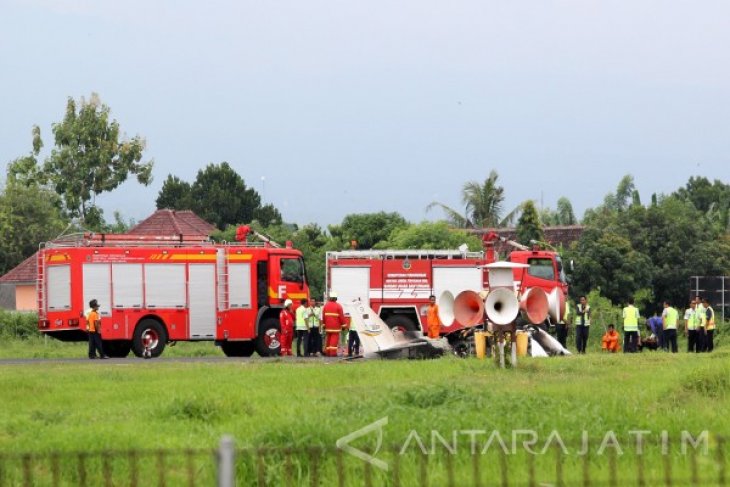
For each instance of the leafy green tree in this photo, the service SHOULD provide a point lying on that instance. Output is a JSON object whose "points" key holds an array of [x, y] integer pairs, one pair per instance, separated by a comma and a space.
{"points": [[90, 158], [626, 195], [367, 229], [483, 205], [267, 215], [432, 236], [29, 214], [175, 194], [220, 196], [711, 199], [26, 170], [566, 216], [528, 226], [606, 262], [562, 215]]}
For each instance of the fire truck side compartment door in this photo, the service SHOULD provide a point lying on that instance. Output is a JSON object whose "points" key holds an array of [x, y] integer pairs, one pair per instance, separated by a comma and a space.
{"points": [[239, 285], [456, 280], [165, 285], [202, 301], [97, 285], [127, 285], [59, 287], [351, 283]]}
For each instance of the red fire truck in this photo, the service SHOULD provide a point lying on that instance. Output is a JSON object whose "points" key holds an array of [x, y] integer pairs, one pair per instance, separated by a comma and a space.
{"points": [[157, 290], [397, 284]]}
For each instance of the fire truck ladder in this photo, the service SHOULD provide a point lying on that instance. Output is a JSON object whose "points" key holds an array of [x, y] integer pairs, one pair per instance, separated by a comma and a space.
{"points": [[40, 283], [222, 274]]}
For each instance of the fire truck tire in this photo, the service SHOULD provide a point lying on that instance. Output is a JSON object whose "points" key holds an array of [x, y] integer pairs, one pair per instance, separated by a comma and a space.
{"points": [[237, 349], [157, 335], [400, 322], [117, 348], [268, 341]]}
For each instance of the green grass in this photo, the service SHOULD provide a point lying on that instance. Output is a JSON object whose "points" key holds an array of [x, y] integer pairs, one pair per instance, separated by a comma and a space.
{"points": [[132, 403]]}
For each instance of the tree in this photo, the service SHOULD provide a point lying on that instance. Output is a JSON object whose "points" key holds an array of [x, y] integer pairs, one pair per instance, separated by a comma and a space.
{"points": [[624, 196], [367, 229], [220, 196], [482, 204], [267, 215], [565, 212], [432, 236], [29, 214], [89, 157], [712, 199], [528, 226], [607, 262], [175, 194]]}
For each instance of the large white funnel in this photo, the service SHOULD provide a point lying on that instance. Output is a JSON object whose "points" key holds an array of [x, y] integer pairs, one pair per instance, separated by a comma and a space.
{"points": [[468, 308], [556, 304], [446, 308], [534, 305], [502, 306]]}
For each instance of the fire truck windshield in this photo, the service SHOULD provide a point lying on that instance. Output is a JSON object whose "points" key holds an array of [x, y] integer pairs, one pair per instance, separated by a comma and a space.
{"points": [[292, 270], [541, 268]]}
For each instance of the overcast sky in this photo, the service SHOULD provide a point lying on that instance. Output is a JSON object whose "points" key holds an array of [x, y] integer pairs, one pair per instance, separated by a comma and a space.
{"points": [[336, 107]]}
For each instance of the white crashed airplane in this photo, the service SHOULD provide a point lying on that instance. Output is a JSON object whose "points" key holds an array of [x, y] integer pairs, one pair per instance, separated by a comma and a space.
{"points": [[379, 341]]}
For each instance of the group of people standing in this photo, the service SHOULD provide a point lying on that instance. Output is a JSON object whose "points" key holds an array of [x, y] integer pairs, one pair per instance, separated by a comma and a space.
{"points": [[310, 323], [699, 328]]}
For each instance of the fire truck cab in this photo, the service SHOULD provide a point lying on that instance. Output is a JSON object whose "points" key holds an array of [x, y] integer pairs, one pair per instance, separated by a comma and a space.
{"points": [[157, 290]]}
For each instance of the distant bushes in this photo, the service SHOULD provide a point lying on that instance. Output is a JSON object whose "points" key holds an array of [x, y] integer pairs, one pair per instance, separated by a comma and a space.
{"points": [[18, 324]]}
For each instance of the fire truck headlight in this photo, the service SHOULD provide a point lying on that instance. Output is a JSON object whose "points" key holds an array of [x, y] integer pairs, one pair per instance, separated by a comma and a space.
{"points": [[73, 322], [116, 326]]}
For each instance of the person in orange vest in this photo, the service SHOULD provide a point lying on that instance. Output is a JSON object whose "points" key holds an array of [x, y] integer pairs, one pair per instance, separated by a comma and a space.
{"points": [[93, 327], [609, 342], [432, 318], [286, 323], [334, 321]]}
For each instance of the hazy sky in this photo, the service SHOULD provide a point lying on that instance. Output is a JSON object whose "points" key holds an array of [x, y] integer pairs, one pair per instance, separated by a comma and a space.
{"points": [[351, 107]]}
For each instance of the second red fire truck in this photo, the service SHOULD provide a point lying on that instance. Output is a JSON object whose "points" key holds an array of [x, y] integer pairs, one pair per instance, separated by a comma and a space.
{"points": [[397, 284]]}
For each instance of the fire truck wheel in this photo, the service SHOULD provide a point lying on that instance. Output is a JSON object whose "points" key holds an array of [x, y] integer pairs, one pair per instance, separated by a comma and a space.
{"points": [[237, 349], [150, 334], [401, 323], [268, 341], [117, 348]]}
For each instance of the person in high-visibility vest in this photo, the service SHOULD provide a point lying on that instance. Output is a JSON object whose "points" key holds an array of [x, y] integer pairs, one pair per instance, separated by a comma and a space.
{"points": [[314, 322], [302, 328], [631, 327], [286, 323], [710, 328], [701, 324], [561, 328], [432, 318], [582, 324], [690, 327], [334, 321], [670, 317]]}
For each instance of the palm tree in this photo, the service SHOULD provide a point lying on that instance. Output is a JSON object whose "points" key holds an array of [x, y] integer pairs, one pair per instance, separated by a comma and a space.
{"points": [[482, 205]]}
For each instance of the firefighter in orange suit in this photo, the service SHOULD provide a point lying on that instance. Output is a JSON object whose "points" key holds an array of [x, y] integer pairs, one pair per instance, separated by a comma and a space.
{"points": [[432, 318], [609, 342], [286, 322], [334, 321]]}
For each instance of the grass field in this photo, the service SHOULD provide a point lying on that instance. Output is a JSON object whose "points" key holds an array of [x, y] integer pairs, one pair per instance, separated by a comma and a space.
{"points": [[135, 404]]}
